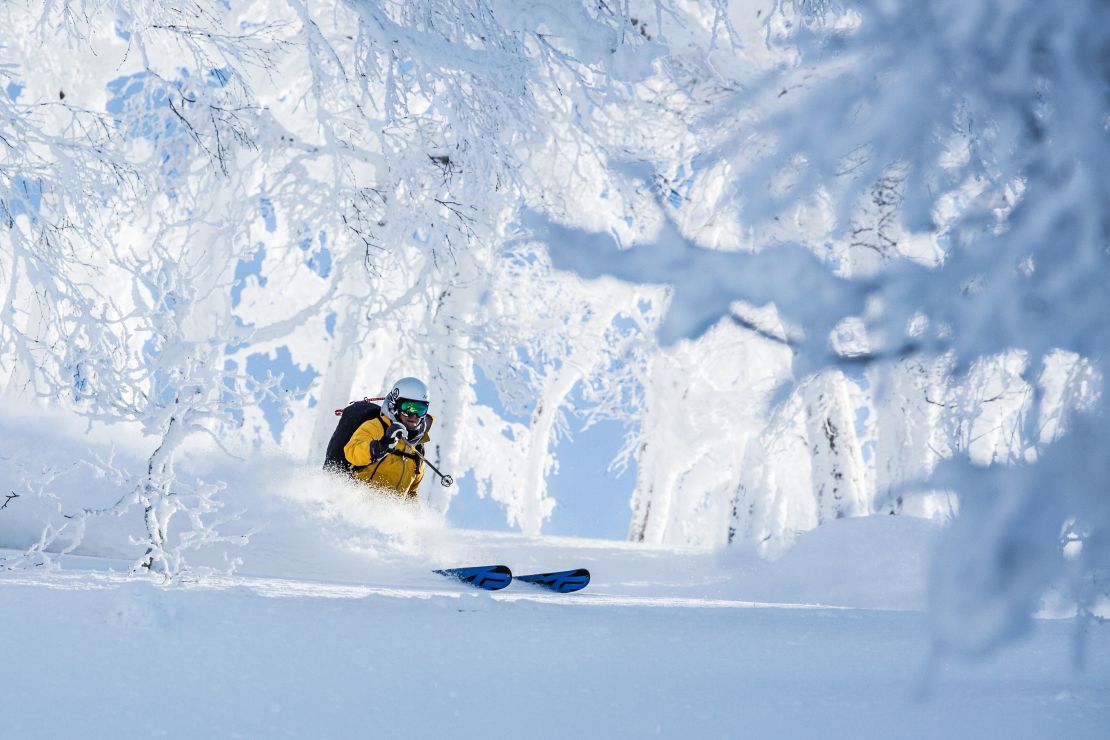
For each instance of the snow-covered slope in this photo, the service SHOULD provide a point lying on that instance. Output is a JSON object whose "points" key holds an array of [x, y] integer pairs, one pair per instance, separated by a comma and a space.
{"points": [[331, 623], [347, 634], [333, 626]]}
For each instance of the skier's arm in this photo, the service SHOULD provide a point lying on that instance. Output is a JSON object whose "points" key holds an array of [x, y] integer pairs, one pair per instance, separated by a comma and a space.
{"points": [[357, 450]]}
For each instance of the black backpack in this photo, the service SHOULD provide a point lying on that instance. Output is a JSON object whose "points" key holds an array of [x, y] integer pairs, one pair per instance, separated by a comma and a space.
{"points": [[350, 419]]}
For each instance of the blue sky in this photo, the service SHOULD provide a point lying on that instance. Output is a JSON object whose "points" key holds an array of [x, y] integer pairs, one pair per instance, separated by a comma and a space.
{"points": [[591, 502]]}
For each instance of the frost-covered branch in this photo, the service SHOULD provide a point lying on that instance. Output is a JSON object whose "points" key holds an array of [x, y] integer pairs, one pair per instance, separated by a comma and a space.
{"points": [[972, 138]]}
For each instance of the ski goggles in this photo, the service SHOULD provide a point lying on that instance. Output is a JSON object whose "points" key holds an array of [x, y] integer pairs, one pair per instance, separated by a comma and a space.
{"points": [[413, 408]]}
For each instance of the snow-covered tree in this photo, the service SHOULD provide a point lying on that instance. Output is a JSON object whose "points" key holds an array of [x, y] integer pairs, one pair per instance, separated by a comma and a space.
{"points": [[993, 119], [234, 217]]}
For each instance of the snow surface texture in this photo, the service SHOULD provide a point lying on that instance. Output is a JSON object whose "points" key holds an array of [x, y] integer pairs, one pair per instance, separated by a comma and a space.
{"points": [[351, 637], [333, 625]]}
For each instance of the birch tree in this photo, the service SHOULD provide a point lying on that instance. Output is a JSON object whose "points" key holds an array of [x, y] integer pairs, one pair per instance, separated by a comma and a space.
{"points": [[196, 191], [995, 116]]}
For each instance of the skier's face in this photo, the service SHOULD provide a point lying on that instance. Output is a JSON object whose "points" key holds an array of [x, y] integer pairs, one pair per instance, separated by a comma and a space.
{"points": [[411, 412], [412, 421]]}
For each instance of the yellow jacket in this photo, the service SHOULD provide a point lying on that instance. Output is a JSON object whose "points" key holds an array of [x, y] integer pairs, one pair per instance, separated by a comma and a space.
{"points": [[399, 472]]}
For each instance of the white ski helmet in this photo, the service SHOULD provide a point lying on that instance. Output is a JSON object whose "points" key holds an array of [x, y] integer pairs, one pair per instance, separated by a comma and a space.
{"points": [[405, 389]]}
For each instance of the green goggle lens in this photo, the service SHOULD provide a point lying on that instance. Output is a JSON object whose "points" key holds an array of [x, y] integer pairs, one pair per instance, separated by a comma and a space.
{"points": [[413, 408]]}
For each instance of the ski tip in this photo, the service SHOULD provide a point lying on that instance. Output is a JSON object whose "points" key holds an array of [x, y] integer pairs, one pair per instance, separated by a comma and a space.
{"points": [[564, 582], [486, 577]]}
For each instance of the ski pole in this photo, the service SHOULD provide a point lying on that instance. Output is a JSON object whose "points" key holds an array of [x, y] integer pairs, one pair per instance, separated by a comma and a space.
{"points": [[445, 480]]}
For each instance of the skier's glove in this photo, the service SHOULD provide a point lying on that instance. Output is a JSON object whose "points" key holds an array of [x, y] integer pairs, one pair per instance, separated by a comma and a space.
{"points": [[379, 448], [394, 433]]}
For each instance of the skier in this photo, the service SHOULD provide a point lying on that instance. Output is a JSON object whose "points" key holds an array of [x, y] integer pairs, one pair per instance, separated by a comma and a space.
{"points": [[387, 451]]}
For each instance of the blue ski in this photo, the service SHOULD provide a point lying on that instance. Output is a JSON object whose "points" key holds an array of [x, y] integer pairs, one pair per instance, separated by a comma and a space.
{"points": [[564, 582], [486, 577]]}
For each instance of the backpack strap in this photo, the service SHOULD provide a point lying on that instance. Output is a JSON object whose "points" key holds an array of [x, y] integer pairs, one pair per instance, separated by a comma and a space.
{"points": [[408, 455]]}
